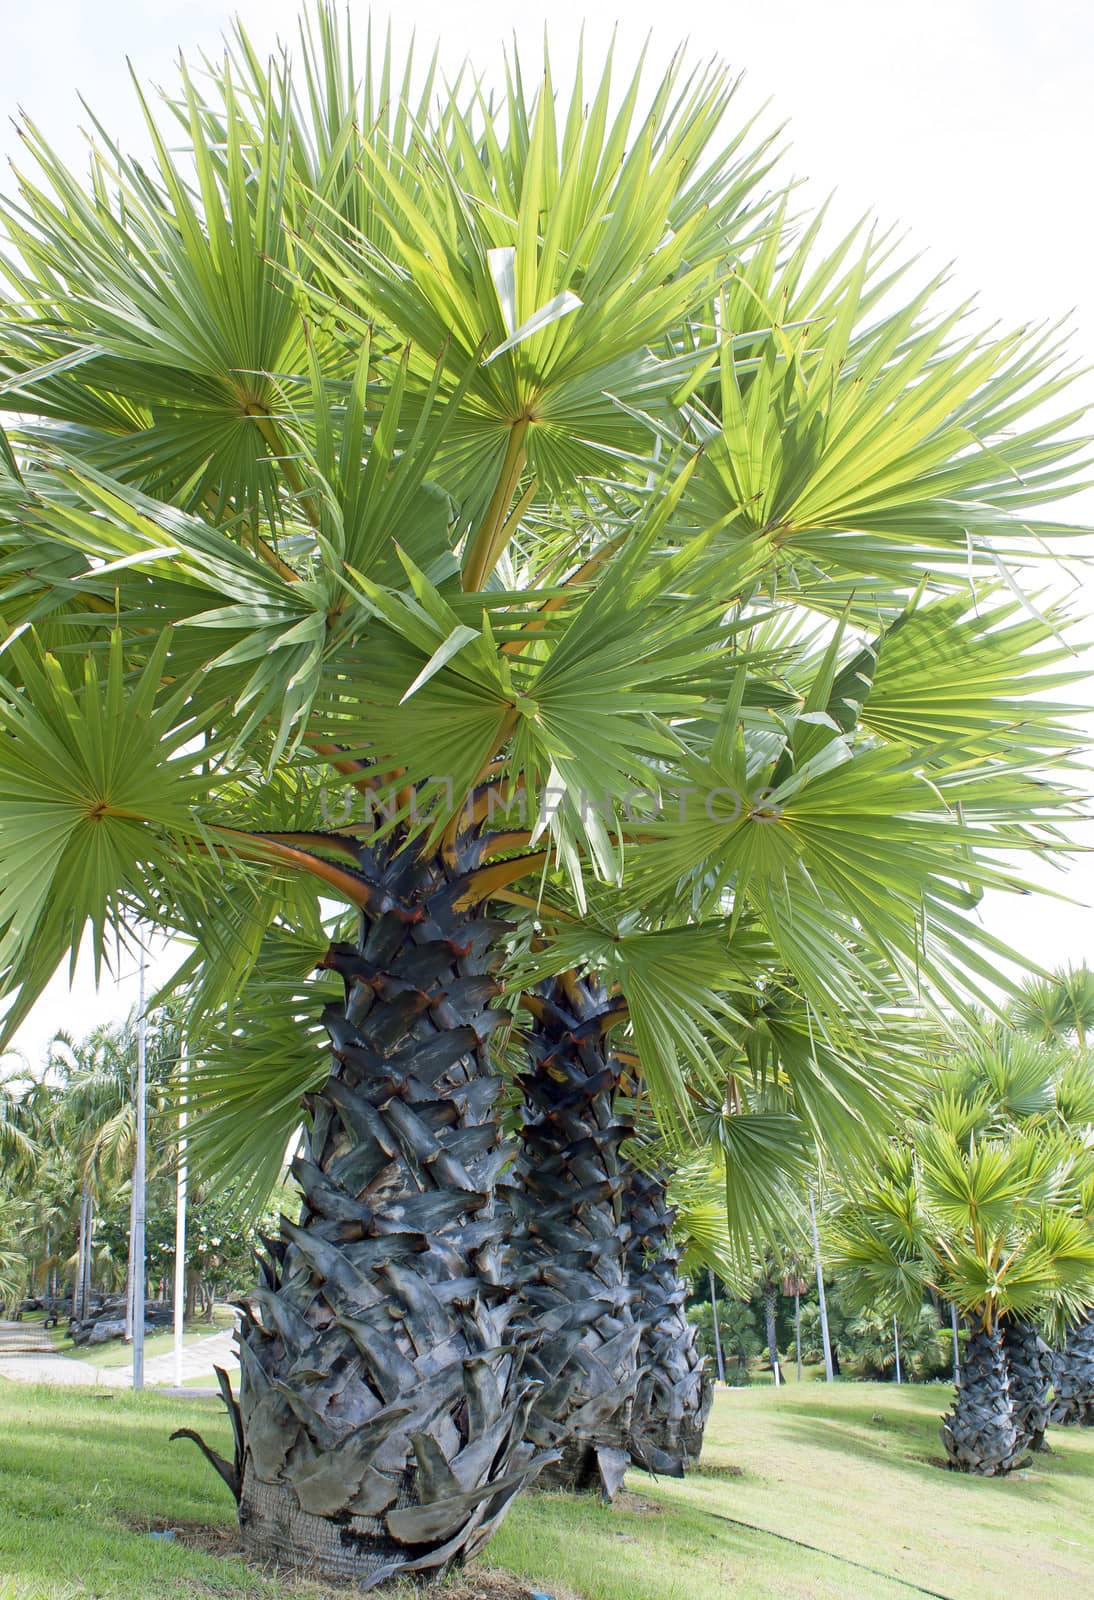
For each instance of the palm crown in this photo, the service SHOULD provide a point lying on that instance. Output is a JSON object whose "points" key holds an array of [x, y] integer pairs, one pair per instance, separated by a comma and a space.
{"points": [[527, 452]]}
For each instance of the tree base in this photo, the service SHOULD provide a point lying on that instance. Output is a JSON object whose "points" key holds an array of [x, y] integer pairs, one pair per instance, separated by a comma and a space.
{"points": [[668, 1444], [583, 1468], [274, 1527]]}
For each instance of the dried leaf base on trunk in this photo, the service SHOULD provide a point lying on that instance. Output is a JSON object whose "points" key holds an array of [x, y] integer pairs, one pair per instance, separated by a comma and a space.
{"points": [[979, 1432], [1073, 1378], [575, 1298], [383, 1410], [673, 1398], [1026, 1356]]}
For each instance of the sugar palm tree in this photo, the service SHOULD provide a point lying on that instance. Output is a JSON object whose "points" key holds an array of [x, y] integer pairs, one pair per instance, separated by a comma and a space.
{"points": [[1059, 1011], [453, 454], [770, 1097], [1033, 1078], [994, 1225], [1059, 1007], [1071, 1368]]}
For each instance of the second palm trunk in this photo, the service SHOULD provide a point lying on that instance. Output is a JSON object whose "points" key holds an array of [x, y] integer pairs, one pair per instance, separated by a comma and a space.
{"points": [[673, 1396], [1026, 1354], [1073, 1377], [575, 1297]]}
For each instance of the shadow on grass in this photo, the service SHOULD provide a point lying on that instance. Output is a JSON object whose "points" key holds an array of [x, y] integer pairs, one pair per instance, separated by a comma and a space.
{"points": [[892, 1445], [915, 1451]]}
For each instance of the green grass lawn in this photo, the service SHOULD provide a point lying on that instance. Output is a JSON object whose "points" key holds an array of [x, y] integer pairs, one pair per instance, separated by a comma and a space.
{"points": [[848, 1469]]}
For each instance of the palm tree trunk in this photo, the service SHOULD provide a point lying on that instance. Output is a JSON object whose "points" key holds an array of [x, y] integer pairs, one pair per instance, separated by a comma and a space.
{"points": [[575, 1304], [718, 1356], [674, 1396], [798, 1331], [979, 1431], [1073, 1378], [1028, 1383], [772, 1344], [382, 1420]]}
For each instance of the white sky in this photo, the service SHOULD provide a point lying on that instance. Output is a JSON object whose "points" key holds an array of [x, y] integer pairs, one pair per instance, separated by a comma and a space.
{"points": [[969, 122]]}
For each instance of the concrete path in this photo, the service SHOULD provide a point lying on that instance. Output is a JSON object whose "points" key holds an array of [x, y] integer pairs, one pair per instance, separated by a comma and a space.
{"points": [[218, 1350], [24, 1338], [27, 1355], [49, 1369]]}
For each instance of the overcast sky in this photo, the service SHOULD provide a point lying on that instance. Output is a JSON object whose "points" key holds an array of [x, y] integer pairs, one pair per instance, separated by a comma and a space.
{"points": [[968, 122]]}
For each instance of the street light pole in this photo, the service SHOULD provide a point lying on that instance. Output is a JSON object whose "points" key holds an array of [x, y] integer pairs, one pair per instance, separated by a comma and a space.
{"points": [[956, 1345], [136, 1242], [829, 1369], [180, 1222]]}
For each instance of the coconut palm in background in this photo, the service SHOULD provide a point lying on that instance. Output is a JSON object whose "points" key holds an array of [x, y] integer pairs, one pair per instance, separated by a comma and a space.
{"points": [[385, 464], [18, 1144], [93, 1120], [92, 1117], [19, 1149]]}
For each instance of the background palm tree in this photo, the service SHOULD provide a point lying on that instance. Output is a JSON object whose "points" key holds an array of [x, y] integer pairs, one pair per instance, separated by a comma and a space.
{"points": [[456, 452], [992, 1216], [1058, 1010], [1059, 1007], [19, 1146]]}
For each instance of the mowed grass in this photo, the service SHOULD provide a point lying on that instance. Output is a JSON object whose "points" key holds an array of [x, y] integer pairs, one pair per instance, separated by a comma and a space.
{"points": [[848, 1469]]}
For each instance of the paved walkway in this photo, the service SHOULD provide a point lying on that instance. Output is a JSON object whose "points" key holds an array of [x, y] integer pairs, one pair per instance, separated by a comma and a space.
{"points": [[49, 1369], [27, 1355], [23, 1338], [198, 1361]]}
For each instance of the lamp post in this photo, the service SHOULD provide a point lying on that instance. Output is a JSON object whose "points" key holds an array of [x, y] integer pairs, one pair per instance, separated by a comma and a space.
{"points": [[829, 1371], [180, 1221], [136, 1240]]}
